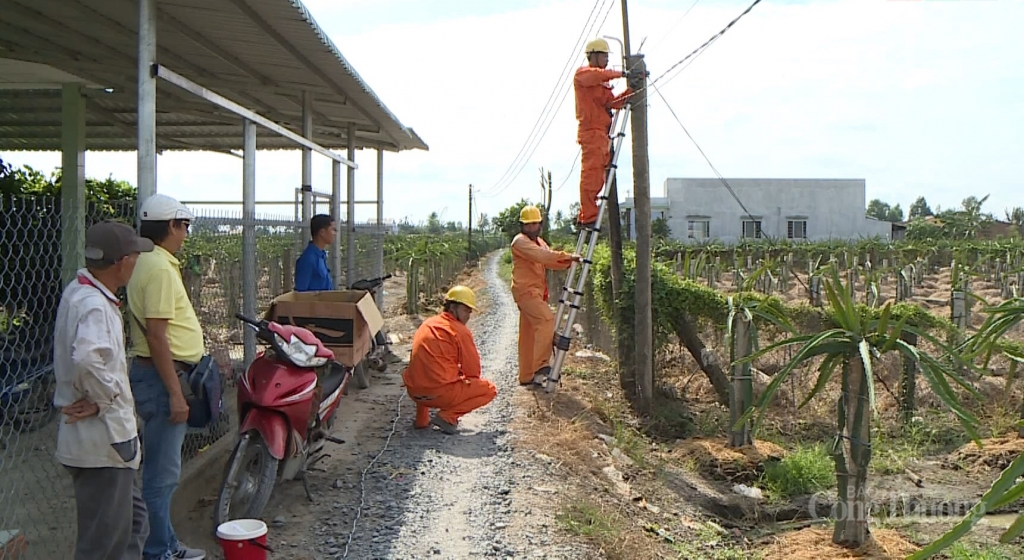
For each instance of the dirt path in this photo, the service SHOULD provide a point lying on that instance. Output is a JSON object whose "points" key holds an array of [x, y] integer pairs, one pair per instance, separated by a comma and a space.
{"points": [[426, 494]]}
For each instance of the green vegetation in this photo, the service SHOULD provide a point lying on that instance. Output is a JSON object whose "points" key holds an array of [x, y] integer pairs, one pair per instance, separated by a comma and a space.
{"points": [[806, 470], [711, 542]]}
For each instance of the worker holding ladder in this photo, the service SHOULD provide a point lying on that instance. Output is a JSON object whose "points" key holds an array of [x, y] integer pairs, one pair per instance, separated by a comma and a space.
{"points": [[594, 104], [531, 258]]}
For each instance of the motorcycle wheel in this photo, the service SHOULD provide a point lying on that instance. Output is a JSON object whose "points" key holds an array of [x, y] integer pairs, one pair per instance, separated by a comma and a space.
{"points": [[35, 410], [248, 481], [359, 376]]}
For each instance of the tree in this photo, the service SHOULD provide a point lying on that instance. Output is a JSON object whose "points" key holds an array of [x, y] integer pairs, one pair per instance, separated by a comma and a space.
{"points": [[882, 211], [434, 224], [878, 210], [660, 229], [920, 209], [507, 221], [895, 214], [855, 339], [1015, 216], [483, 223]]}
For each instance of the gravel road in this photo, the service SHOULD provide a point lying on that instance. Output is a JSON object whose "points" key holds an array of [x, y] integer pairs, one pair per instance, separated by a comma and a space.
{"points": [[426, 494]]}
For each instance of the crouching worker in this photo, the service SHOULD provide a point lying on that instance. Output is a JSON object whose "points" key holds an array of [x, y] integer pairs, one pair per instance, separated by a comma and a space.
{"points": [[444, 369]]}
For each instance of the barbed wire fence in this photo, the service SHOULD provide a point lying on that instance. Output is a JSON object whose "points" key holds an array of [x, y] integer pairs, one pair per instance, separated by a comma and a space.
{"points": [[36, 498]]}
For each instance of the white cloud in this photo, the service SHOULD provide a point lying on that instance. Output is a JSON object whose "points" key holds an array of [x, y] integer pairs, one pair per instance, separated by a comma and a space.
{"points": [[918, 98]]}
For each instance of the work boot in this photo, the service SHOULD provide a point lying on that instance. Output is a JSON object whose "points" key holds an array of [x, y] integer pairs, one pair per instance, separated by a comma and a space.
{"points": [[444, 425], [581, 226], [422, 417], [541, 376]]}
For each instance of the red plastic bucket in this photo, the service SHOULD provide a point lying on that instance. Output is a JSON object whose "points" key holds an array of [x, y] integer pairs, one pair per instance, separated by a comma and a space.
{"points": [[243, 539]]}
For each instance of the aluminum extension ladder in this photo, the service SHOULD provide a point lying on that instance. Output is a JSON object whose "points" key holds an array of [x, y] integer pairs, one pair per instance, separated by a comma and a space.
{"points": [[572, 291]]}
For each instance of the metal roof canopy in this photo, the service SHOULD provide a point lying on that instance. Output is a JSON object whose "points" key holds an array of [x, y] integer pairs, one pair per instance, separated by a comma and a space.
{"points": [[259, 54]]}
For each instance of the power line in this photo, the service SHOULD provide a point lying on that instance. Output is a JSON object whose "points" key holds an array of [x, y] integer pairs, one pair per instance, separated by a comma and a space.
{"points": [[565, 95], [558, 83], [674, 25], [571, 169], [706, 44], [713, 168]]}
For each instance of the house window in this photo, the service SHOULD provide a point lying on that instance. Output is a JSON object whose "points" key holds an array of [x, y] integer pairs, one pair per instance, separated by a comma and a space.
{"points": [[698, 229], [797, 229], [752, 229]]}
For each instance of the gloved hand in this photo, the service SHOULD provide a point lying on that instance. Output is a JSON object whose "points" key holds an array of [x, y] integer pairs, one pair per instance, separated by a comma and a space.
{"points": [[636, 74]]}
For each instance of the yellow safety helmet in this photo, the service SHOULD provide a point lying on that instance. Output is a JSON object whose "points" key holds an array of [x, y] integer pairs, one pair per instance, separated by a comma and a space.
{"points": [[463, 295], [530, 215], [597, 46]]}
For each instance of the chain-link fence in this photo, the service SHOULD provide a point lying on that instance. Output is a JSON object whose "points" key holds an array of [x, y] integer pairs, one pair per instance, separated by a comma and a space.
{"points": [[36, 499]]}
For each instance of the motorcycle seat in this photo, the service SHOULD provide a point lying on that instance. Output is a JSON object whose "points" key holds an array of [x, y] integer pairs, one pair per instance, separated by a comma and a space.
{"points": [[334, 378]]}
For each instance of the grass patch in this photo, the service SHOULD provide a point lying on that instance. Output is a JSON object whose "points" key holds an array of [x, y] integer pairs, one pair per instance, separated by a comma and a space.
{"points": [[710, 543], [505, 266], [588, 520], [807, 470], [961, 551], [630, 442]]}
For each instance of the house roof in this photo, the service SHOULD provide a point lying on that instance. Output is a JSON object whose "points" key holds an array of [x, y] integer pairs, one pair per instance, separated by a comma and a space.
{"points": [[261, 54]]}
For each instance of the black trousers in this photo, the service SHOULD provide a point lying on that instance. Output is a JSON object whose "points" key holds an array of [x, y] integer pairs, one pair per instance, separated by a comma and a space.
{"points": [[112, 520]]}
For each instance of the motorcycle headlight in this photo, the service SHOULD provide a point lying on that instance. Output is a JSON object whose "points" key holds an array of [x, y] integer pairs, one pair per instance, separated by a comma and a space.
{"points": [[300, 353]]}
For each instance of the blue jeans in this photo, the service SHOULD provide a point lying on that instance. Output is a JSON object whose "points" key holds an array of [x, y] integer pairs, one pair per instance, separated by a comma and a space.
{"points": [[161, 458]]}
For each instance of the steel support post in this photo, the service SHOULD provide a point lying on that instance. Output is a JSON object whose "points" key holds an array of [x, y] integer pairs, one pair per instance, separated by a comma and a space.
{"points": [[146, 102], [249, 234], [350, 219], [336, 216], [380, 224], [72, 188], [307, 164]]}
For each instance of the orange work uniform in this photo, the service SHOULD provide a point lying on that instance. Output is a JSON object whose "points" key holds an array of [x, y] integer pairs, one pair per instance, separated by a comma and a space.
{"points": [[444, 371], [530, 261], [594, 104]]}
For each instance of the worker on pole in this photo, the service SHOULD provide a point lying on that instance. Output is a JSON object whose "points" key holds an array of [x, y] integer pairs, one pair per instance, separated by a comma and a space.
{"points": [[594, 104], [531, 257], [444, 368]]}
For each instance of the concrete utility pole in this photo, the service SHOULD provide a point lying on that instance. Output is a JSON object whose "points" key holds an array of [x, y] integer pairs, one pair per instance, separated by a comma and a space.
{"points": [[624, 345], [469, 249], [642, 203]]}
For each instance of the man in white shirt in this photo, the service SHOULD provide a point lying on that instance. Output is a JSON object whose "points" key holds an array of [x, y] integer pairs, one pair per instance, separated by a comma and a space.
{"points": [[98, 439]]}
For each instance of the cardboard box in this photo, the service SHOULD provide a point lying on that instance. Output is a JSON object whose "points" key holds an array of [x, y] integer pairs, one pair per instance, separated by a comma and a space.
{"points": [[344, 320]]}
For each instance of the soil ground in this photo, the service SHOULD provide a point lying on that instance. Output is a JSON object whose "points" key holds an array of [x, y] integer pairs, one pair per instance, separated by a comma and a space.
{"points": [[392, 491], [577, 474]]}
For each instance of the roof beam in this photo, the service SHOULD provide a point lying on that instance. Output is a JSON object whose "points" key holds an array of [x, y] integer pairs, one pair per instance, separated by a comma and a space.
{"points": [[194, 88], [132, 131]]}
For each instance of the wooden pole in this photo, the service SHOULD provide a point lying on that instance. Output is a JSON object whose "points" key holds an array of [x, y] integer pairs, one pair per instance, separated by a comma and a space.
{"points": [[469, 237], [642, 200]]}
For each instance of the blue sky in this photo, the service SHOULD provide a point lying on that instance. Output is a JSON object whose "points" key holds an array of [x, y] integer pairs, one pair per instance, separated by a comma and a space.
{"points": [[916, 97]]}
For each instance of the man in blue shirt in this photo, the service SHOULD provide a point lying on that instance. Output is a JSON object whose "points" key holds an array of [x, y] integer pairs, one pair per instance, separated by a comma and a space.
{"points": [[311, 271]]}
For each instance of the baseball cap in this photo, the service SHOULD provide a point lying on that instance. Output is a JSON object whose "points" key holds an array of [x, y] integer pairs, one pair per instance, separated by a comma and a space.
{"points": [[160, 208], [110, 241]]}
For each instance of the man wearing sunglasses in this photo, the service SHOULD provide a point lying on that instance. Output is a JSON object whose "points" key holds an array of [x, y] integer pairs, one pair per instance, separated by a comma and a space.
{"points": [[165, 339]]}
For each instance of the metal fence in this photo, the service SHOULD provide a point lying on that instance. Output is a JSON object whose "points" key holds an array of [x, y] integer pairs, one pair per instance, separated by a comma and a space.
{"points": [[36, 499]]}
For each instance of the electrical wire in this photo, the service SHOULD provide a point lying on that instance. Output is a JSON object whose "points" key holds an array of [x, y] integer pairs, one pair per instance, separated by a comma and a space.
{"points": [[671, 29], [699, 50], [558, 84], [565, 95], [362, 478], [571, 169], [713, 168]]}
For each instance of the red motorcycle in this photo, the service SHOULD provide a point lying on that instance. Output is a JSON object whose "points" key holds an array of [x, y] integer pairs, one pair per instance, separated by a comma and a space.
{"points": [[280, 437]]}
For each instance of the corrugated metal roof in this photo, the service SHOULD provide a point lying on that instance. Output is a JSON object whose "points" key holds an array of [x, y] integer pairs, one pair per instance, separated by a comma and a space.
{"points": [[261, 54]]}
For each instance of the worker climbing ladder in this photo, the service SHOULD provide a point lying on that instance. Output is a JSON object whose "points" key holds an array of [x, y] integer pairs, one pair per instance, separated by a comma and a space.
{"points": [[572, 291]]}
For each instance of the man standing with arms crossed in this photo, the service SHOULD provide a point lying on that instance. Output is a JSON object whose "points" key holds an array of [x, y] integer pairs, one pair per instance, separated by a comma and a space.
{"points": [[594, 105], [166, 339], [98, 441]]}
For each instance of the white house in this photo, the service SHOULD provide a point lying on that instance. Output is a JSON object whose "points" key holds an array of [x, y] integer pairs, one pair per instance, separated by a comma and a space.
{"points": [[812, 209]]}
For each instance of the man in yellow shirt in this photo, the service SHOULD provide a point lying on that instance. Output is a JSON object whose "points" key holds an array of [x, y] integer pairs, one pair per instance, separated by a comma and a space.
{"points": [[166, 339]]}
